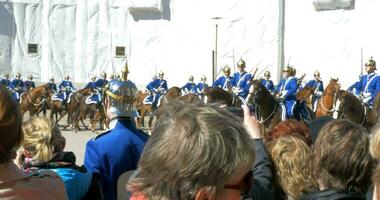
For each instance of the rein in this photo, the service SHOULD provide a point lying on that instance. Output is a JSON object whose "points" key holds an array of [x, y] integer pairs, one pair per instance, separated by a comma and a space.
{"points": [[35, 104], [270, 115]]}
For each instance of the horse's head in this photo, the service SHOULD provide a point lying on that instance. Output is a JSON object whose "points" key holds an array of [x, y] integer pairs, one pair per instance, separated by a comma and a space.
{"points": [[257, 92], [173, 93], [333, 85], [305, 93], [218, 95]]}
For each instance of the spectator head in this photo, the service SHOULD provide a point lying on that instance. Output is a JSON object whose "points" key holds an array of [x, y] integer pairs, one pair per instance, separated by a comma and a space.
{"points": [[341, 159], [42, 139], [289, 155], [376, 183], [316, 125], [10, 126], [289, 127], [200, 152], [375, 143]]}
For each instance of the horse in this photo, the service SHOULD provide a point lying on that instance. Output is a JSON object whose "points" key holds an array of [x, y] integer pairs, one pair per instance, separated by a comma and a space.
{"points": [[142, 109], [33, 99], [71, 107], [305, 95], [220, 96], [267, 109], [350, 107], [376, 107], [326, 104]]}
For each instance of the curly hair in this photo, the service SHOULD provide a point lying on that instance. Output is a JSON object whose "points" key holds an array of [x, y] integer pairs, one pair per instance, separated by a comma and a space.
{"points": [[375, 143], [341, 159], [289, 155], [289, 127]]}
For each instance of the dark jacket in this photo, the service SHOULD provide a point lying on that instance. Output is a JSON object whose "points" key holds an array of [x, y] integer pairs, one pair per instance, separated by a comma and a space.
{"points": [[334, 195], [262, 174]]}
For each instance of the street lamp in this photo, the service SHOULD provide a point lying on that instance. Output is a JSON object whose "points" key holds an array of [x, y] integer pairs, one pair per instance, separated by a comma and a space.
{"points": [[215, 52]]}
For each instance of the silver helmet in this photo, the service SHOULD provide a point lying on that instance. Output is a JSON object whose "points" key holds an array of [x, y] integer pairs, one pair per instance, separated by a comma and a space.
{"points": [[122, 95]]}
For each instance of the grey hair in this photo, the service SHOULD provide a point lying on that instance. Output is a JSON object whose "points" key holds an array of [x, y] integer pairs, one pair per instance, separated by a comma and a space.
{"points": [[192, 147]]}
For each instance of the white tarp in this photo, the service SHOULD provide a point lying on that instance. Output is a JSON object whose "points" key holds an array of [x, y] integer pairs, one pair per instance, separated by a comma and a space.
{"points": [[79, 38]]}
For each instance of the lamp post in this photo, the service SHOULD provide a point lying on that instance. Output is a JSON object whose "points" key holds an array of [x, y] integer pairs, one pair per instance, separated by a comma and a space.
{"points": [[215, 53]]}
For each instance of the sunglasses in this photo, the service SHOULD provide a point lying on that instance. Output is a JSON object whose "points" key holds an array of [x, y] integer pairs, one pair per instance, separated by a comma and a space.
{"points": [[245, 185]]}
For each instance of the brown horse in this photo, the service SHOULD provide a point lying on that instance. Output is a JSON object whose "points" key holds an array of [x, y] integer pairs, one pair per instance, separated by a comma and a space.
{"points": [[326, 104], [305, 95], [376, 107], [33, 99], [216, 95], [350, 107], [142, 109], [71, 108], [268, 111]]}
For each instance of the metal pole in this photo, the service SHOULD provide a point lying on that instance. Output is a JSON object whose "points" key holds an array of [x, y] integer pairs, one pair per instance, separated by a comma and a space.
{"points": [[216, 51], [281, 36]]}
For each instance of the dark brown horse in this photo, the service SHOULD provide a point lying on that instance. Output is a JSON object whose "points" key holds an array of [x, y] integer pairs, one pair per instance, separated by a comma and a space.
{"points": [[350, 107], [142, 109], [216, 95], [326, 104], [33, 99], [268, 111]]}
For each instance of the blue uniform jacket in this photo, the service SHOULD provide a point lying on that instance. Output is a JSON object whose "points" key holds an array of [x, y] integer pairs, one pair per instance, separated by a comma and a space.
{"points": [[370, 86], [157, 84], [115, 152], [29, 84], [268, 84], [91, 85], [355, 88], [100, 83], [201, 87], [5, 82], [52, 86], [288, 88], [223, 82], [316, 84], [66, 84], [17, 83], [241, 81], [189, 87]]}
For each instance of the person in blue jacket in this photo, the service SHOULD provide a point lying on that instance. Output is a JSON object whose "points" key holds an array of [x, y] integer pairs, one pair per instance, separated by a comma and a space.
{"points": [[94, 97], [201, 86], [241, 80], [17, 87], [117, 150], [29, 84], [5, 81], [52, 85], [189, 87], [267, 83], [65, 88], [102, 81], [370, 83], [355, 88], [286, 90], [157, 87], [226, 81], [317, 85]]}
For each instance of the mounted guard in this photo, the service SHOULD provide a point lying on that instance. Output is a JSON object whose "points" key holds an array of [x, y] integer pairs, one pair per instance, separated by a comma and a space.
{"points": [[52, 84], [226, 82], [241, 79], [101, 82], [29, 84], [17, 87], [94, 97], [267, 83], [5, 80], [370, 83], [200, 89], [286, 90], [157, 87], [189, 87], [65, 89], [317, 85]]}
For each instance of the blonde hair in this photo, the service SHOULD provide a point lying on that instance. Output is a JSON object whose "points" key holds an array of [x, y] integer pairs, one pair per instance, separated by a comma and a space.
{"points": [[10, 125], [289, 155], [41, 138]]}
